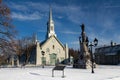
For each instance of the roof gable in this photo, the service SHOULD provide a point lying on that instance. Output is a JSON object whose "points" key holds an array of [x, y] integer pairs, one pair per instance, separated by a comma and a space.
{"points": [[44, 42]]}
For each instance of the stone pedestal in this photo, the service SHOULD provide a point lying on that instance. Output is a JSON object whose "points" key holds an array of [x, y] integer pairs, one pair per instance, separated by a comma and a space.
{"points": [[84, 61]]}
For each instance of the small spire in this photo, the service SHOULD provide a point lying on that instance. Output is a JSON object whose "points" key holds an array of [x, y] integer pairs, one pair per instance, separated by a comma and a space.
{"points": [[50, 14], [36, 37]]}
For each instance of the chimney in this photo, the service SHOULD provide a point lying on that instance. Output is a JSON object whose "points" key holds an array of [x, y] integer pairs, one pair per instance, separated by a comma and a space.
{"points": [[112, 43]]}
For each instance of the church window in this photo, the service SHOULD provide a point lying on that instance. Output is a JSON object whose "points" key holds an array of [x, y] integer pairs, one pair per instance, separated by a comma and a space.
{"points": [[53, 47], [52, 28], [47, 50]]}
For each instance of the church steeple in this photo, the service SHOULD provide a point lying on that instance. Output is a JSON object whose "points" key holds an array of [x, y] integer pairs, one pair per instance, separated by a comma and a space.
{"points": [[50, 25], [50, 14]]}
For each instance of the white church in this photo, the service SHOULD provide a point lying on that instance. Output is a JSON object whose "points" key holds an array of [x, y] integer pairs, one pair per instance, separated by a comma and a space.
{"points": [[51, 51]]}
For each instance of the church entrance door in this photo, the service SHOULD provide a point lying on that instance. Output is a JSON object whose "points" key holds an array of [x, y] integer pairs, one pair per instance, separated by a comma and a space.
{"points": [[53, 58], [43, 60]]}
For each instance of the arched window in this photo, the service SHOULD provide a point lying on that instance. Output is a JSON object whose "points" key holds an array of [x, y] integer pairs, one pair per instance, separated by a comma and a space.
{"points": [[47, 50], [53, 47], [52, 28]]}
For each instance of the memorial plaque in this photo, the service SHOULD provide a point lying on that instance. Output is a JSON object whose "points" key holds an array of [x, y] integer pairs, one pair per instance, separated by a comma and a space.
{"points": [[59, 68]]}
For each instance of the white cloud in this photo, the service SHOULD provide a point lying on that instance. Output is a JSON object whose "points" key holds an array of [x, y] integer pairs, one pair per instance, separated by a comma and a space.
{"points": [[73, 12], [70, 32], [18, 6], [38, 6], [28, 10], [42, 31], [75, 43], [28, 6], [107, 22], [60, 17], [20, 16]]}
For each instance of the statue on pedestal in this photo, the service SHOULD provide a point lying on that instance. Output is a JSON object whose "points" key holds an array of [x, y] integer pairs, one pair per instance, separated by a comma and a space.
{"points": [[84, 55]]}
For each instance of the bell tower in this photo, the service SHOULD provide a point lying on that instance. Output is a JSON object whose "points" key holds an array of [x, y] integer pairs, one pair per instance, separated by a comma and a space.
{"points": [[50, 25]]}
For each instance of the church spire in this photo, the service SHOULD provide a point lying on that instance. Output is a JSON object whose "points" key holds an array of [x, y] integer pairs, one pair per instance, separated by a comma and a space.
{"points": [[50, 25], [50, 14]]}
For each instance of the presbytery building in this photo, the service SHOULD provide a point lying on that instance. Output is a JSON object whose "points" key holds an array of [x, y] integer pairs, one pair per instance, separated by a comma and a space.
{"points": [[108, 55]]}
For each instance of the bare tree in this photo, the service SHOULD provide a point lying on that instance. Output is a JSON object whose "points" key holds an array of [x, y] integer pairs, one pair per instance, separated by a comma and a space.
{"points": [[25, 46], [29, 46], [73, 53], [6, 30]]}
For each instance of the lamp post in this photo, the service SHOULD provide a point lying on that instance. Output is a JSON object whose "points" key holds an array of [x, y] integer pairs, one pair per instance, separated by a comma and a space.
{"points": [[95, 42], [43, 53]]}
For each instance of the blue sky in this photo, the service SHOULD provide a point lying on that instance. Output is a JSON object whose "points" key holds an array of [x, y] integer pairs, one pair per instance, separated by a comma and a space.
{"points": [[101, 19]]}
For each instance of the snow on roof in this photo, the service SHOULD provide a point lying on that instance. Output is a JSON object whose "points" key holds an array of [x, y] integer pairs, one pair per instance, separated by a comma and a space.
{"points": [[111, 53], [108, 50]]}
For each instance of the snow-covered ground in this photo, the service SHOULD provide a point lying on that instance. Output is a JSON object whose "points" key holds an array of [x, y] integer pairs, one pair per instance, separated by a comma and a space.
{"points": [[38, 73]]}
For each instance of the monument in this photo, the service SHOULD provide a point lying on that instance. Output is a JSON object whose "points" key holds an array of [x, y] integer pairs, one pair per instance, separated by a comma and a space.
{"points": [[84, 60]]}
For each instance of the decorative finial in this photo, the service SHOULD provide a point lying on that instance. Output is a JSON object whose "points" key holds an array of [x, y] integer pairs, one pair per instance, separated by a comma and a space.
{"points": [[83, 27]]}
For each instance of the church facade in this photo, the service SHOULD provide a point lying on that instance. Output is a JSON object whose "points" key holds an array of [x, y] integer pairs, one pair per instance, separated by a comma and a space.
{"points": [[51, 51]]}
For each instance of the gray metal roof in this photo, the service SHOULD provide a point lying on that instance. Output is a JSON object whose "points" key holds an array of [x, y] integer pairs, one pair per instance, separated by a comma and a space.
{"points": [[108, 50]]}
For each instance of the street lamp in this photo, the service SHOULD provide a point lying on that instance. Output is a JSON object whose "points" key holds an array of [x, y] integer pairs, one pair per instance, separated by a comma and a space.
{"points": [[95, 42], [43, 53]]}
